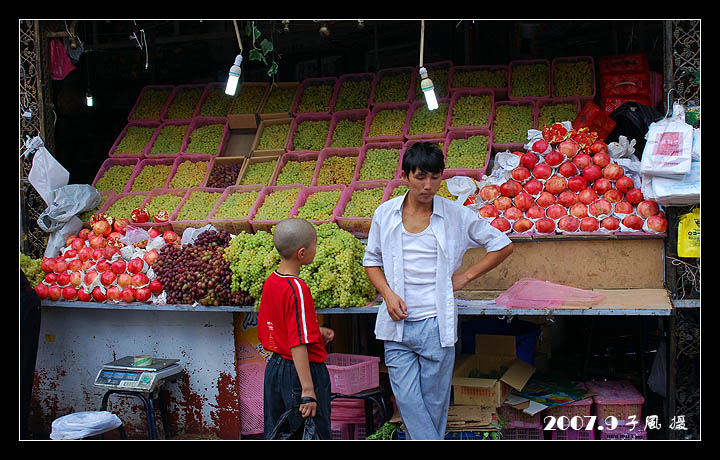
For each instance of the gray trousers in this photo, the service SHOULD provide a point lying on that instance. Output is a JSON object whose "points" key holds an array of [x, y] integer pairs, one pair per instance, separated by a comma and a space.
{"points": [[420, 373]]}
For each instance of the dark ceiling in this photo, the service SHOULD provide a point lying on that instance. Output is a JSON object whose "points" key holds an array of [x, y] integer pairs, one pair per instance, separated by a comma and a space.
{"points": [[113, 56]]}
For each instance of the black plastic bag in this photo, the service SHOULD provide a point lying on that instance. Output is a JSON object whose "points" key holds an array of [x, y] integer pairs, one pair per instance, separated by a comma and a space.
{"points": [[284, 431], [633, 120]]}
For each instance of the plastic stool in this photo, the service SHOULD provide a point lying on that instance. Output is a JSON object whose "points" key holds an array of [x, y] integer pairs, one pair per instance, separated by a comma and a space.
{"points": [[374, 395], [81, 425]]}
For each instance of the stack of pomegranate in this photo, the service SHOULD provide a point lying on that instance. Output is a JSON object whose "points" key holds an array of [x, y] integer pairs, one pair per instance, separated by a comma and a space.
{"points": [[97, 266], [568, 187]]}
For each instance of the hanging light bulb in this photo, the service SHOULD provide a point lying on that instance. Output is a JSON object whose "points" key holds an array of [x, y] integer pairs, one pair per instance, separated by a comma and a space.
{"points": [[324, 31], [428, 89], [233, 76], [286, 25], [89, 98], [361, 24]]}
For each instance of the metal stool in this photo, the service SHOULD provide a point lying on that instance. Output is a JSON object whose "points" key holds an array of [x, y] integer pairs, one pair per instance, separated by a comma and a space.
{"points": [[82, 425], [148, 402], [374, 395]]}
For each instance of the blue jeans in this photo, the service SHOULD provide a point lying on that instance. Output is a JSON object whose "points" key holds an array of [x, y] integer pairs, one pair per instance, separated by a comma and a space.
{"points": [[420, 373]]}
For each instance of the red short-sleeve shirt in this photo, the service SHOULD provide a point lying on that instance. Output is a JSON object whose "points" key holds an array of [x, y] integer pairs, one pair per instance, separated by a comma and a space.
{"points": [[286, 318]]}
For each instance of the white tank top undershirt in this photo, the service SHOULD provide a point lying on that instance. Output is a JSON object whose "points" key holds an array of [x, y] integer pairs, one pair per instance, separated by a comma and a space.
{"points": [[420, 262]]}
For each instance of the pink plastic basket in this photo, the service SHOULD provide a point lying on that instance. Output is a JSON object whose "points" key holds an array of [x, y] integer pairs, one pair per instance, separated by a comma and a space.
{"points": [[581, 408], [210, 87], [414, 107], [432, 69], [336, 152], [358, 226], [110, 162], [176, 92], [303, 155], [540, 294], [250, 382], [514, 418], [301, 118], [161, 226], [624, 433], [161, 110], [574, 59], [266, 225], [542, 103], [141, 124], [392, 71], [573, 435], [352, 115], [149, 147], [470, 92], [180, 226], [306, 192], [514, 65], [379, 146], [352, 77], [318, 81], [460, 134], [200, 122], [617, 399], [115, 198], [350, 374], [398, 135], [192, 158], [521, 434], [391, 186], [500, 92], [513, 146], [234, 226], [150, 162]]}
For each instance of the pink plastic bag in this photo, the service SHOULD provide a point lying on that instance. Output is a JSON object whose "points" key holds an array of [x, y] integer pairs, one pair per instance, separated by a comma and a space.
{"points": [[533, 293], [60, 64]]}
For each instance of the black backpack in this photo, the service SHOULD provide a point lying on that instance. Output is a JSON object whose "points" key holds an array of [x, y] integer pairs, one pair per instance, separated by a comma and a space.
{"points": [[632, 120]]}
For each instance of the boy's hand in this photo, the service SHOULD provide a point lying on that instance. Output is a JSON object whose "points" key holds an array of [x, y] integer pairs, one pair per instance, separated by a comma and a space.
{"points": [[327, 334], [308, 409], [396, 307]]}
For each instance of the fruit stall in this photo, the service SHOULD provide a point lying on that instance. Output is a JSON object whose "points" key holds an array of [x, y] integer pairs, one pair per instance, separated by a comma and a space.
{"points": [[169, 256]]}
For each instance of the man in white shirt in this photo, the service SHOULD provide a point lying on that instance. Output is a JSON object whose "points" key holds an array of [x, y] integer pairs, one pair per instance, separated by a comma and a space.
{"points": [[415, 247]]}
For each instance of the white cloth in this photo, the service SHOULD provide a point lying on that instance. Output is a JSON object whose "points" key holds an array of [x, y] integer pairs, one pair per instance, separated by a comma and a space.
{"points": [[456, 229], [419, 262]]}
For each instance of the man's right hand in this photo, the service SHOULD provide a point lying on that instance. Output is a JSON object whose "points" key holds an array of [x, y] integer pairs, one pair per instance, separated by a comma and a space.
{"points": [[396, 307]]}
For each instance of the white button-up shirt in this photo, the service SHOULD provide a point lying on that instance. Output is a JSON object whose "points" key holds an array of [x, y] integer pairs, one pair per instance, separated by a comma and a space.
{"points": [[456, 228]]}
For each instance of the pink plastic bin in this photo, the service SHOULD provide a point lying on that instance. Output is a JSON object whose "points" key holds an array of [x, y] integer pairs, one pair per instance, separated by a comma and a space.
{"points": [[390, 137], [515, 418], [353, 115], [459, 134], [573, 435], [115, 198], [301, 118], [161, 110], [306, 192], [521, 434], [379, 146], [500, 92], [358, 226], [266, 225], [110, 162], [162, 226], [179, 89], [513, 146], [352, 77], [469, 92], [617, 399], [200, 122], [142, 124], [350, 374], [317, 81], [432, 68], [391, 186], [234, 226], [193, 158], [302, 155], [208, 89], [574, 59], [391, 72], [336, 152], [581, 408], [149, 147], [150, 162], [624, 433], [179, 226], [512, 68], [414, 107], [541, 103]]}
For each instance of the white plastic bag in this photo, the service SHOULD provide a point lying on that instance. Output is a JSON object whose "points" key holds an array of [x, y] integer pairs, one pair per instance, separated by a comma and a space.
{"points": [[674, 192], [46, 173], [669, 147], [66, 202], [189, 235], [79, 425], [462, 187]]}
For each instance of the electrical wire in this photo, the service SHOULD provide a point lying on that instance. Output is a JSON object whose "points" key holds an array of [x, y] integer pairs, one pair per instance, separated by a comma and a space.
{"points": [[237, 33]]}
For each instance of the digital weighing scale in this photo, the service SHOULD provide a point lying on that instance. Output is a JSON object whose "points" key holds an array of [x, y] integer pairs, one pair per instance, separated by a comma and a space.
{"points": [[142, 378]]}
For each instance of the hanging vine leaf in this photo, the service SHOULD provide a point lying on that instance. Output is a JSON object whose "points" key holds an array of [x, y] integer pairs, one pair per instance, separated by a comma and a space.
{"points": [[266, 46], [273, 69]]}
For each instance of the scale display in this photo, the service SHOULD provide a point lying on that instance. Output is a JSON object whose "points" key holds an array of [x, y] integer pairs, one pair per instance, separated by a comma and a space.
{"points": [[122, 375]]}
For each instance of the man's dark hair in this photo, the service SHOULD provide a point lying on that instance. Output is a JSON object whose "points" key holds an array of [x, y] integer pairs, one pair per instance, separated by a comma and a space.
{"points": [[424, 156]]}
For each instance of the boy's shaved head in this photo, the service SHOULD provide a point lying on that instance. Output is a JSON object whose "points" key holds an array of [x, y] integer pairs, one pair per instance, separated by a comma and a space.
{"points": [[292, 234]]}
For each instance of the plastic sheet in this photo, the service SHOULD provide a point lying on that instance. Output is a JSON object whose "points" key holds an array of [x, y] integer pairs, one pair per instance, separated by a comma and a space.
{"points": [[533, 293], [81, 425]]}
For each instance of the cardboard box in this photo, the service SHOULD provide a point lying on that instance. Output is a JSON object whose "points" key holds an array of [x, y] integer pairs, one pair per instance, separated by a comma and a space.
{"points": [[494, 353]]}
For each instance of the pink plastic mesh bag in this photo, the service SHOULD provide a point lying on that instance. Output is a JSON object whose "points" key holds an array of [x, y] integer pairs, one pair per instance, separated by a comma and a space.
{"points": [[533, 293]]}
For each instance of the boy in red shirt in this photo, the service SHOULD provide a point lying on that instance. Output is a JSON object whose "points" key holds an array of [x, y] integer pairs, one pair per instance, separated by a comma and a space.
{"points": [[296, 375]]}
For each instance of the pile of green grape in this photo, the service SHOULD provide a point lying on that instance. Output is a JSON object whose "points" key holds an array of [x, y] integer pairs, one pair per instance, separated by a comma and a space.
{"points": [[393, 87], [259, 173], [480, 79], [469, 153], [337, 170], [470, 110], [556, 113], [529, 80], [87, 215], [184, 104], [319, 205], [315, 98], [424, 121], [151, 177], [573, 79], [216, 103], [278, 204], [170, 140], [297, 172], [353, 94], [247, 99], [124, 206], [198, 205], [336, 276], [398, 191], [134, 141], [311, 135], [444, 192], [165, 202], [348, 133], [280, 99], [32, 270], [439, 78], [206, 139], [115, 178], [274, 137], [189, 174], [379, 163], [512, 123], [364, 202], [388, 122], [236, 205], [151, 104]]}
